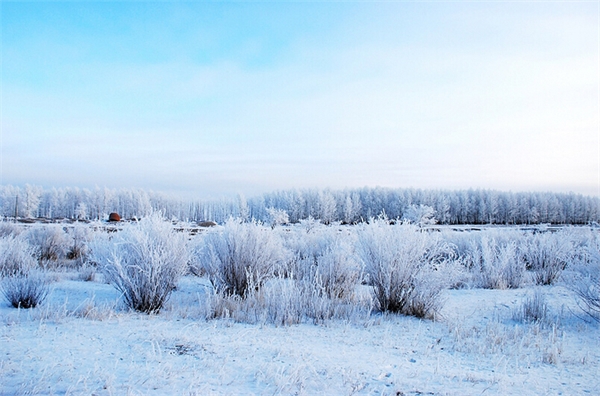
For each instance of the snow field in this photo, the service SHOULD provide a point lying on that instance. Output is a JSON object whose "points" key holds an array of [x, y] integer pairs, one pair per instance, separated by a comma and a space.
{"points": [[311, 321], [473, 347]]}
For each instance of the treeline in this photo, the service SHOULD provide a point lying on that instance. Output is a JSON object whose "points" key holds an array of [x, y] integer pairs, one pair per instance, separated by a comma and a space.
{"points": [[348, 206], [95, 204], [450, 206]]}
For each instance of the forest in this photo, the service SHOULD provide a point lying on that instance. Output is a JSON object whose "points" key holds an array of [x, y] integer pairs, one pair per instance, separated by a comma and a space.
{"points": [[348, 206]]}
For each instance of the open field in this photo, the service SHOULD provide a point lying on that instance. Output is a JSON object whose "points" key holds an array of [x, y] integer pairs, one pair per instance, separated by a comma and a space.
{"points": [[484, 335], [78, 343]]}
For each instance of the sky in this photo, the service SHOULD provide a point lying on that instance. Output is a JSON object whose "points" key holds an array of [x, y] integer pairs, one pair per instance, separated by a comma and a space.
{"points": [[213, 99]]}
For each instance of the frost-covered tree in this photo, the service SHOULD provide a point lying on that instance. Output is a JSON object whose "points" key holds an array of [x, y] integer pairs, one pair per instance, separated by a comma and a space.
{"points": [[277, 217], [9, 197], [451, 207], [31, 200], [420, 215], [327, 207], [244, 209], [297, 206], [81, 211], [352, 208]]}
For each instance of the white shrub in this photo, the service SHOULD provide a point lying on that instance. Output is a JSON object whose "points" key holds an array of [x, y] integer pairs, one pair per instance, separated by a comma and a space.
{"points": [[50, 243], [277, 217], [397, 260], [144, 262], [310, 224], [500, 266], [336, 272], [588, 290], [79, 237], [546, 255], [420, 215], [240, 255], [87, 272], [312, 276], [306, 247], [586, 284], [533, 309], [16, 255], [8, 229], [325, 259], [26, 289], [280, 302], [283, 302]]}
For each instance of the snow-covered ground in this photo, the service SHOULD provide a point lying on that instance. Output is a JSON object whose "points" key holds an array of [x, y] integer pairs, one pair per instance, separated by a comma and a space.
{"points": [[81, 341]]}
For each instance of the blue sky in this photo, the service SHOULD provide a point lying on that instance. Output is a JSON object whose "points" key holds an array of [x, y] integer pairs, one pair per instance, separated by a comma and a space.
{"points": [[211, 99]]}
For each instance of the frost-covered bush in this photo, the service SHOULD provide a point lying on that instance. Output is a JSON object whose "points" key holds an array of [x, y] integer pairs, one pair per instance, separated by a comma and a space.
{"points": [[21, 284], [16, 256], [546, 255], [87, 272], [336, 272], [50, 243], [588, 291], [586, 283], [277, 217], [325, 259], [25, 289], [533, 309], [311, 276], [79, 237], [420, 215], [500, 265], [397, 261], [284, 301], [280, 302], [8, 229], [240, 256], [491, 257], [584, 242], [306, 245], [144, 262], [309, 224]]}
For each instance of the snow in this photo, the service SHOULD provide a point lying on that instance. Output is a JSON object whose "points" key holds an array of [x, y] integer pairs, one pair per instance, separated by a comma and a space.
{"points": [[82, 341]]}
